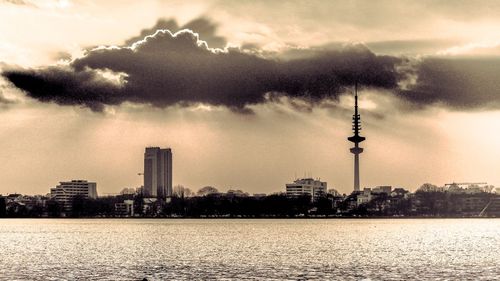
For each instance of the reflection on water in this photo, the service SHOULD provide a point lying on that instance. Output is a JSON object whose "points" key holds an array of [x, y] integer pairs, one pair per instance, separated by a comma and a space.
{"points": [[345, 249]]}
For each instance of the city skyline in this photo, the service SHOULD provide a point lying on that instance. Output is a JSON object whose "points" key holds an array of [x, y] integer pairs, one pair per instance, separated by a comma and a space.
{"points": [[83, 90]]}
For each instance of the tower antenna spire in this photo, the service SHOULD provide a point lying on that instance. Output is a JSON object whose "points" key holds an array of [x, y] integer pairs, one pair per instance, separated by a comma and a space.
{"points": [[356, 138]]}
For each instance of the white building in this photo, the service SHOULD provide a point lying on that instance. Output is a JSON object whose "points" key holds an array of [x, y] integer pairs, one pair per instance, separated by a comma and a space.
{"points": [[468, 188], [364, 197], [125, 209], [307, 186], [66, 191]]}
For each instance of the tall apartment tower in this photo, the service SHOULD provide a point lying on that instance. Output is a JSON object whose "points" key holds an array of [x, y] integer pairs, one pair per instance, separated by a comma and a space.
{"points": [[158, 172], [356, 138]]}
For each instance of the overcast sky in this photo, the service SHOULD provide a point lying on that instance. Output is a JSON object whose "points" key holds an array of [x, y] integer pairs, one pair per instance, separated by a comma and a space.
{"points": [[248, 94]]}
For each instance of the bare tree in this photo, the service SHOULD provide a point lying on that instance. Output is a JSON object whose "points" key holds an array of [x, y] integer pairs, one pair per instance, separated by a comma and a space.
{"points": [[427, 187], [181, 191], [127, 191], [207, 190]]}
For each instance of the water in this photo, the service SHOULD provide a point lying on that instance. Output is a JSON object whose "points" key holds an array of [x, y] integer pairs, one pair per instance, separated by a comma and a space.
{"points": [[345, 249]]}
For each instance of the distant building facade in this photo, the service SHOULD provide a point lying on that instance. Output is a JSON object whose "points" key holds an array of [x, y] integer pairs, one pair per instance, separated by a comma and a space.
{"points": [[307, 186], [468, 188], [157, 172], [387, 189], [368, 194], [364, 197], [125, 209], [67, 190]]}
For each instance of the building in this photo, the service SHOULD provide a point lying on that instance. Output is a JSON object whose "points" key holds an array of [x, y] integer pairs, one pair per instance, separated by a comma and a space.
{"points": [[364, 197], [387, 189], [157, 172], [307, 186], [468, 188], [152, 206], [125, 209], [66, 191]]}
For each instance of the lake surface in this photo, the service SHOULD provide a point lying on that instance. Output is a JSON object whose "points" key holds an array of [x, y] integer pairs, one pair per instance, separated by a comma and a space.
{"points": [[261, 249]]}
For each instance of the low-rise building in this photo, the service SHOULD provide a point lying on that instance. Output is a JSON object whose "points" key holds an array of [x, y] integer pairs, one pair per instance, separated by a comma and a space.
{"points": [[307, 186], [364, 197], [469, 188], [151, 206], [65, 192], [387, 189], [125, 209]]}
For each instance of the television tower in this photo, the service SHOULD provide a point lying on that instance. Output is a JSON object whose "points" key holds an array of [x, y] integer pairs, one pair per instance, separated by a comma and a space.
{"points": [[356, 138]]}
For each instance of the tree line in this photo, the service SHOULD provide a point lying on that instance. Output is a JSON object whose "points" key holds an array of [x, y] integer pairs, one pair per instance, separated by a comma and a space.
{"points": [[208, 202]]}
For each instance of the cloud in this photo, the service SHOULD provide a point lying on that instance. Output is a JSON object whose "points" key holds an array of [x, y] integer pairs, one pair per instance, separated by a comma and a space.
{"points": [[205, 28], [16, 2], [65, 86], [411, 47], [19, 3], [5, 100], [459, 83], [166, 68]]}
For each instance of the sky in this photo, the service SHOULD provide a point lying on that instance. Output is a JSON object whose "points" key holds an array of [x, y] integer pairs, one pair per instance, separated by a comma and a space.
{"points": [[248, 94]]}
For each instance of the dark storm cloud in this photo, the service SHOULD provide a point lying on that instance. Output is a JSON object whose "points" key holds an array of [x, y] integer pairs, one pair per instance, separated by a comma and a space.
{"points": [[460, 83], [65, 86], [165, 69]]}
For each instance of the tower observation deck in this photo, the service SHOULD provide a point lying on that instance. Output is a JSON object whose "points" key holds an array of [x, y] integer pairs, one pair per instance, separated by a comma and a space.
{"points": [[356, 138]]}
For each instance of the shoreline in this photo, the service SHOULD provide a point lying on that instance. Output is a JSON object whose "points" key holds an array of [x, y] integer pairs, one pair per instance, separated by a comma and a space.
{"points": [[253, 218]]}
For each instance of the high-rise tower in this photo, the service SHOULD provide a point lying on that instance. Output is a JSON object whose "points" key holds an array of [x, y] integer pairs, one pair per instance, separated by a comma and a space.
{"points": [[356, 138], [158, 172]]}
